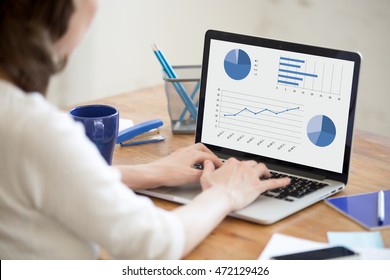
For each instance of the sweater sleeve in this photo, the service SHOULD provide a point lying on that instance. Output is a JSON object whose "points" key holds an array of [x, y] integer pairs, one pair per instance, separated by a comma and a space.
{"points": [[77, 189]]}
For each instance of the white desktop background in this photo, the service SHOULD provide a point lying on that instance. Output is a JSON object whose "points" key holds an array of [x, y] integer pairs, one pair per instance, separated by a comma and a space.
{"points": [[116, 55]]}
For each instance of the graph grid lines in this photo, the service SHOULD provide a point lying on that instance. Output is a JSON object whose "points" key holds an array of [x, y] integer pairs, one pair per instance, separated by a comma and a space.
{"points": [[260, 116]]}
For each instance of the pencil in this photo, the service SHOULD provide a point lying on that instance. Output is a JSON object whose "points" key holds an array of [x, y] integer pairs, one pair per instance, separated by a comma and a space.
{"points": [[195, 90]]}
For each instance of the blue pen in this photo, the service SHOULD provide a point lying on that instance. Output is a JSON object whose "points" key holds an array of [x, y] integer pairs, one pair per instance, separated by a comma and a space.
{"points": [[179, 87], [381, 207]]}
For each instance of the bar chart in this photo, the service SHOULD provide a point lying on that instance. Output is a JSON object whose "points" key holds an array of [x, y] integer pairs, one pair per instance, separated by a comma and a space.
{"points": [[310, 74]]}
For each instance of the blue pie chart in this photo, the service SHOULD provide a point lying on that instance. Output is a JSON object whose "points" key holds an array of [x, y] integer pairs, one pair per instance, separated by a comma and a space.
{"points": [[321, 130], [237, 64]]}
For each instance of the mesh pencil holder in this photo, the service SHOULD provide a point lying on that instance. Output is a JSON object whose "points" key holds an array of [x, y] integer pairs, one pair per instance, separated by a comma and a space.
{"points": [[188, 83]]}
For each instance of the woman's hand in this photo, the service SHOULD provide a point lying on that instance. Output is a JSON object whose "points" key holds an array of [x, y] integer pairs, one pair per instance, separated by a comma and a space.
{"points": [[239, 181], [229, 188], [178, 167], [173, 170]]}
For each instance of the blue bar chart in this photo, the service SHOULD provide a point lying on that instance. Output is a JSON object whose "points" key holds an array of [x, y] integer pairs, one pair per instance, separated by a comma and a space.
{"points": [[290, 72], [309, 74]]}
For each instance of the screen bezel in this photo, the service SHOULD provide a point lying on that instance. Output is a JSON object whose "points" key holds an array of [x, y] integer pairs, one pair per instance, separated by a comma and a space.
{"points": [[286, 46]]}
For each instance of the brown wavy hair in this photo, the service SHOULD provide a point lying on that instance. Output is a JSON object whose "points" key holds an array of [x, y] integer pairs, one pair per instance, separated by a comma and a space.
{"points": [[28, 31]]}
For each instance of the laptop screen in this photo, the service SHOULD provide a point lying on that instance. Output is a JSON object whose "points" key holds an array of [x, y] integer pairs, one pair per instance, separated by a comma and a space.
{"points": [[288, 102]]}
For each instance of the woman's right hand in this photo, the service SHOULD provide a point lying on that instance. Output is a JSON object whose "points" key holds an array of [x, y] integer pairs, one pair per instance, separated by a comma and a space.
{"points": [[239, 181]]}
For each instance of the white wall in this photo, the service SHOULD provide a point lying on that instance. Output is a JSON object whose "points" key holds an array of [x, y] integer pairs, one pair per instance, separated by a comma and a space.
{"points": [[116, 55]]}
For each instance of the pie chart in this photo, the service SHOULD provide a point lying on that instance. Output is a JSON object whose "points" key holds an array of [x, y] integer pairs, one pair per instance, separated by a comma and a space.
{"points": [[321, 130], [237, 64]]}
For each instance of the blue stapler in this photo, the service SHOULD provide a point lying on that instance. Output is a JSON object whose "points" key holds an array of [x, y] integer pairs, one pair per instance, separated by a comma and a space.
{"points": [[142, 133]]}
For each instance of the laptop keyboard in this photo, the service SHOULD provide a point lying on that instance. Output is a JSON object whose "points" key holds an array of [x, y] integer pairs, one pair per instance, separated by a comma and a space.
{"points": [[298, 187]]}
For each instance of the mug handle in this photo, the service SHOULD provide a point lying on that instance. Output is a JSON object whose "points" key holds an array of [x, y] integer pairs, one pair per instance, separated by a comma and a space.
{"points": [[98, 131]]}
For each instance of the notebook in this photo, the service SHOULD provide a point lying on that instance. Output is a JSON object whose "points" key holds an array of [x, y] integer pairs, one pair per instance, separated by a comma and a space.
{"points": [[363, 209], [288, 105]]}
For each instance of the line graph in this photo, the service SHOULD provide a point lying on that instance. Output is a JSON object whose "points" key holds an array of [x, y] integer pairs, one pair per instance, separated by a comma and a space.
{"points": [[261, 111], [252, 114]]}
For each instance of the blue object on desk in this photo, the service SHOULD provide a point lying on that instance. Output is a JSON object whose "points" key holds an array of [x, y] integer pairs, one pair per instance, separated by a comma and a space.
{"points": [[363, 208], [178, 86], [134, 135], [197, 86]]}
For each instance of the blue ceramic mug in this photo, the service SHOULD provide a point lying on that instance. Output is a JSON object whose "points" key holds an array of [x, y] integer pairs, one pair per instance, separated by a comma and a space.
{"points": [[101, 124]]}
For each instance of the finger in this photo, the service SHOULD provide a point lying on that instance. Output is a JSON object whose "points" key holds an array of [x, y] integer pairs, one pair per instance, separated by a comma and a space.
{"points": [[208, 167], [216, 160], [203, 148], [251, 163], [231, 160], [275, 183], [202, 156], [263, 170]]}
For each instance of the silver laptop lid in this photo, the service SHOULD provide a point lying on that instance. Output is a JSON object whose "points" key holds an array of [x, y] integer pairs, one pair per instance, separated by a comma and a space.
{"points": [[286, 104]]}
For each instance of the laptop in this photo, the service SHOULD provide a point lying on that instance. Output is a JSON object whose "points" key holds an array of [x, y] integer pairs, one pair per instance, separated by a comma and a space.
{"points": [[289, 105]]}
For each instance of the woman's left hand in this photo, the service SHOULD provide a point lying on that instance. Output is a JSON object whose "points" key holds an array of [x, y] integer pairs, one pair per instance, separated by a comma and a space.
{"points": [[173, 170], [178, 167]]}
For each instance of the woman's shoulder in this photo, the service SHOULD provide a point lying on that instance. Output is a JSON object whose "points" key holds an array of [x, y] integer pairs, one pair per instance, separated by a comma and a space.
{"points": [[15, 103], [31, 122]]}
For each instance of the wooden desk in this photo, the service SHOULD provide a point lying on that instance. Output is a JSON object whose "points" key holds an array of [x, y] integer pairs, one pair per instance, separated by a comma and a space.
{"points": [[236, 239]]}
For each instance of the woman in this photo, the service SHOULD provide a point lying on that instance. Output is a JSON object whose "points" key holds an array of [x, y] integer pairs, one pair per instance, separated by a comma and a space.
{"points": [[58, 197]]}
